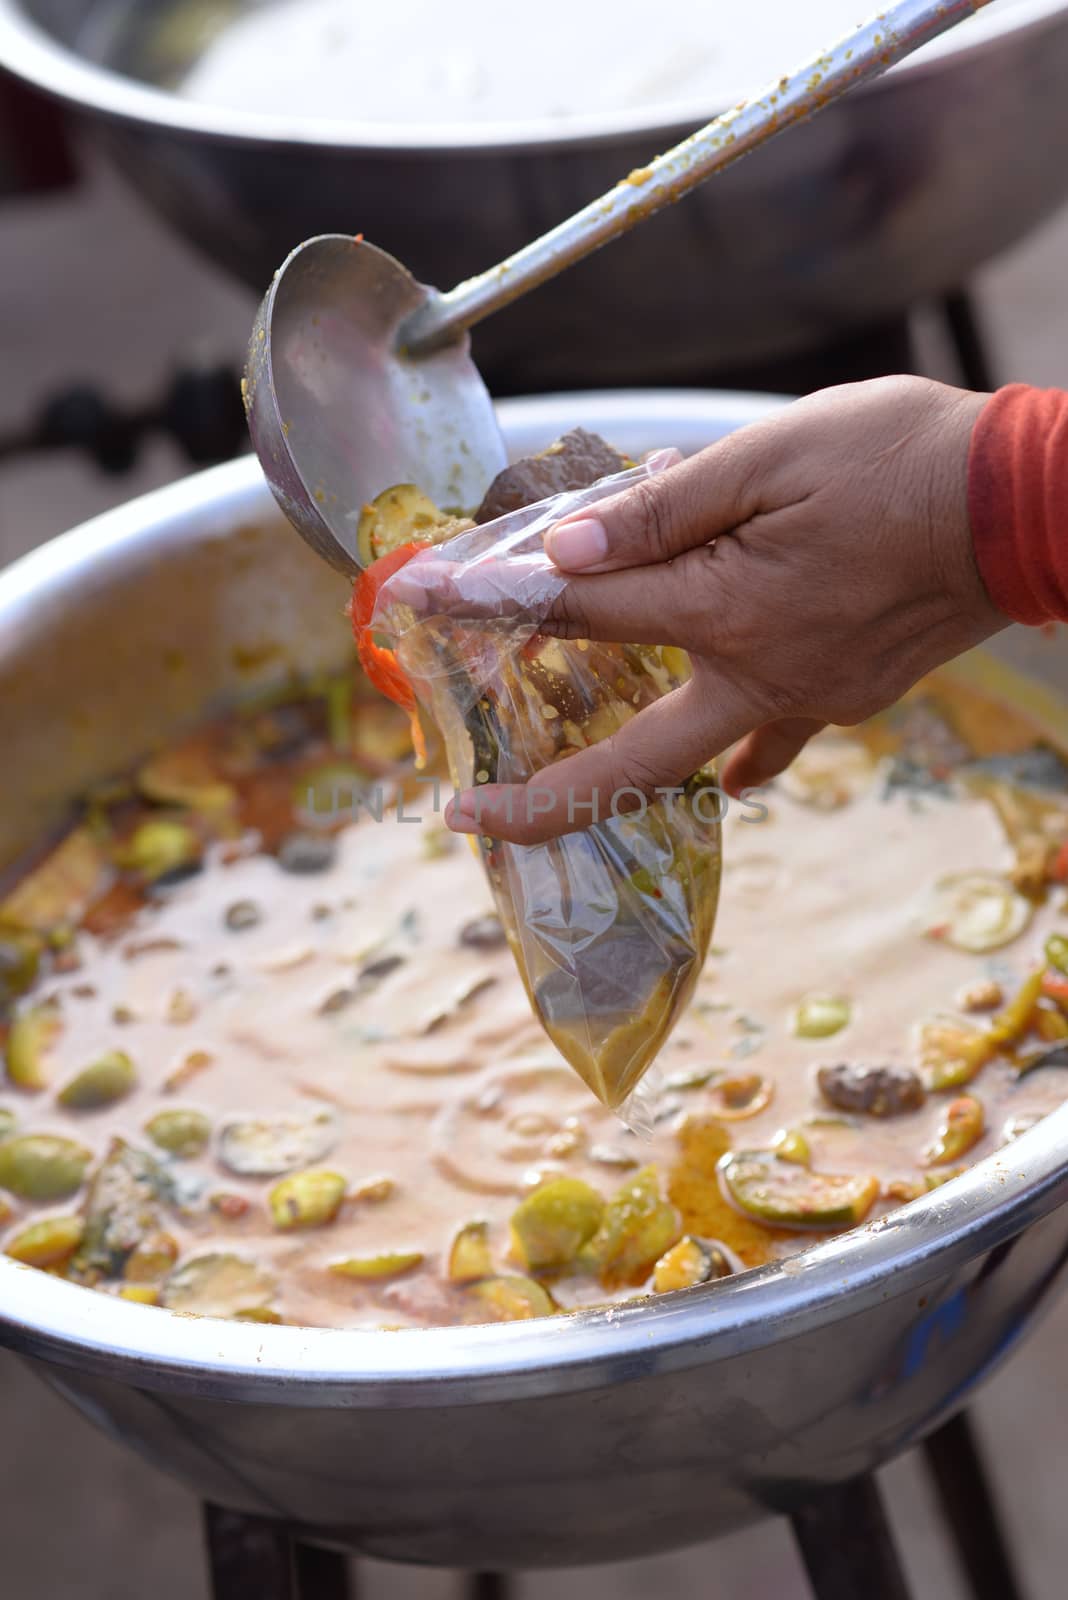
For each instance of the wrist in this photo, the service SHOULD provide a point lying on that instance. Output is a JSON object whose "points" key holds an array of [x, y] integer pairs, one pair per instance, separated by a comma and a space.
{"points": [[953, 544]]}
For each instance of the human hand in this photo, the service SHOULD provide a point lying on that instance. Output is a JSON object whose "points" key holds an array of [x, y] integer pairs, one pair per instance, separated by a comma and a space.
{"points": [[814, 566]]}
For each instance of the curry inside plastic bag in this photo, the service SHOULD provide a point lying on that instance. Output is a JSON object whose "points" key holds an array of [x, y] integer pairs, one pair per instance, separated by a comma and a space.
{"points": [[609, 926]]}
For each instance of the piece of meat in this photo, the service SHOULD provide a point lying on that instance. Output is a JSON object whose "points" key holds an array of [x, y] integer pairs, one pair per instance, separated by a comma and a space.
{"points": [[878, 1091], [484, 933], [575, 461]]}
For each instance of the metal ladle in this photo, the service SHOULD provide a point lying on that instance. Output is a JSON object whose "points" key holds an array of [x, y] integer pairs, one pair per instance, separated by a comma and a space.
{"points": [[359, 377]]}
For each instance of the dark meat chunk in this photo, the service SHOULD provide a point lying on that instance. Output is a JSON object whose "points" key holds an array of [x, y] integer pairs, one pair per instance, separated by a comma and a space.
{"points": [[573, 462], [878, 1091], [484, 933], [307, 852], [1040, 768], [610, 981]]}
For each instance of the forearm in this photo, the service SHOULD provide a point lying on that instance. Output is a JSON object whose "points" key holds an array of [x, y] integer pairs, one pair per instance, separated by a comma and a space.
{"points": [[1018, 502]]}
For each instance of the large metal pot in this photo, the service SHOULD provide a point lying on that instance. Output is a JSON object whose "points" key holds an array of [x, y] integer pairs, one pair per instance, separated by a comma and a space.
{"points": [[586, 1438], [896, 194]]}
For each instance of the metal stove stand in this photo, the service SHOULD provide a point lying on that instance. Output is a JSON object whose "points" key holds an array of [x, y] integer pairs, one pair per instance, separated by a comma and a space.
{"points": [[843, 1537]]}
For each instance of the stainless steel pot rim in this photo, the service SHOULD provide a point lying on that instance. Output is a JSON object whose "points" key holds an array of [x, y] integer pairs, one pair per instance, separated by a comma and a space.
{"points": [[896, 1255], [30, 52]]}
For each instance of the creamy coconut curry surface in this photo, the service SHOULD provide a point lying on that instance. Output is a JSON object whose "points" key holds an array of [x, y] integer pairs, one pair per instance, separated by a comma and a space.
{"points": [[266, 1061]]}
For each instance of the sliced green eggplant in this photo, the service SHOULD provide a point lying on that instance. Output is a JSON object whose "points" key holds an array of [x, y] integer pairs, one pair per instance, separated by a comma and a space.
{"points": [[639, 1227], [218, 1284], [786, 1195], [551, 1225], [268, 1147]]}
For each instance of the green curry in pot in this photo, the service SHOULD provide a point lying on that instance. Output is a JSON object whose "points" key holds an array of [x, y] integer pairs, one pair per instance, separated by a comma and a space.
{"points": [[267, 1054]]}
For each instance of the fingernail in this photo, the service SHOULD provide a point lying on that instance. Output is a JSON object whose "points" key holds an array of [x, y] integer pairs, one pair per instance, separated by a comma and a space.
{"points": [[460, 813], [583, 543]]}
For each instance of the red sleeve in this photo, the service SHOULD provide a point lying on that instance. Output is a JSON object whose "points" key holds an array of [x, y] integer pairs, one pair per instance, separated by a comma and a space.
{"points": [[1018, 500]]}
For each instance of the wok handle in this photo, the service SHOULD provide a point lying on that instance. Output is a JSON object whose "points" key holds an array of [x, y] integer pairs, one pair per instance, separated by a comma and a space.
{"points": [[865, 54]]}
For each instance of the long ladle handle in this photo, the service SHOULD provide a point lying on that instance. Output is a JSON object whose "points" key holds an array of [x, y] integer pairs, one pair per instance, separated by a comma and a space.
{"points": [[874, 47]]}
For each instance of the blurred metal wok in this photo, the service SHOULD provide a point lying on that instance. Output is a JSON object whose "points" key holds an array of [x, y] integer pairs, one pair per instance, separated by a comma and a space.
{"points": [[580, 1439], [898, 193]]}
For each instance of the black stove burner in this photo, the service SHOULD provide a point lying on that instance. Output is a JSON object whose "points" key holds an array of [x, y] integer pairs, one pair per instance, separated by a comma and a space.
{"points": [[876, 351], [202, 409], [842, 1534]]}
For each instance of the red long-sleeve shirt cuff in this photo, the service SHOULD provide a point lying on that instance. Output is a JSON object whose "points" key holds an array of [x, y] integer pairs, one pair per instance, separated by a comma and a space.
{"points": [[1018, 501]]}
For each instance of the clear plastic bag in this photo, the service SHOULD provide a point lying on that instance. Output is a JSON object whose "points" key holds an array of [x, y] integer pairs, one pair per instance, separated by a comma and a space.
{"points": [[609, 926]]}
